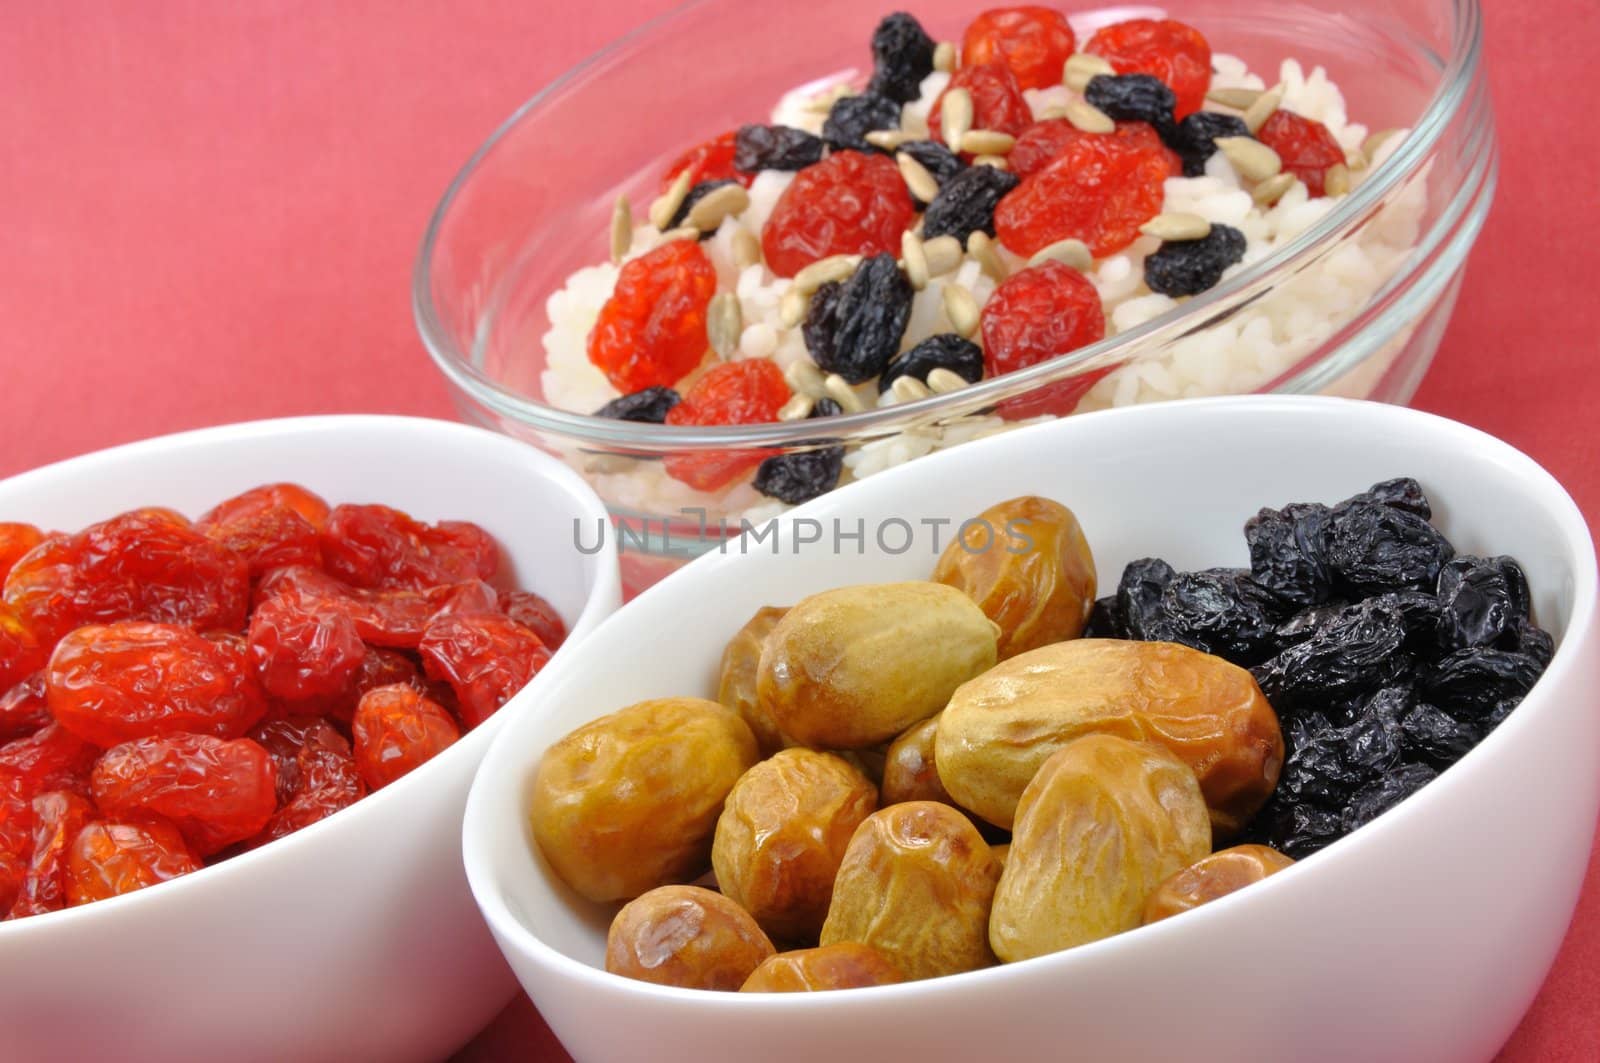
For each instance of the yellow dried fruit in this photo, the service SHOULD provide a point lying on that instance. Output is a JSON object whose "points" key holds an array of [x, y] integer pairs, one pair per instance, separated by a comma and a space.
{"points": [[736, 687], [1213, 876], [847, 965], [908, 772], [685, 936]]}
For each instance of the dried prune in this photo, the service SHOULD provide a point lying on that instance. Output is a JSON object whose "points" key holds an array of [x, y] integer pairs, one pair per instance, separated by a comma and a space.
{"points": [[852, 117], [1421, 612], [1033, 41], [944, 350], [216, 791], [1383, 793], [380, 547], [851, 203], [1176, 53], [485, 658], [1535, 642], [647, 406], [775, 147], [1195, 138], [1481, 601], [801, 475], [1289, 552], [1375, 742], [965, 203], [1105, 620], [1360, 650], [855, 329], [1139, 594], [1295, 828], [1402, 492], [1434, 735], [693, 196], [1220, 611], [1315, 769], [937, 159], [902, 55], [1133, 98], [397, 730], [1308, 622], [1471, 682], [1377, 548], [1189, 267], [108, 859]]}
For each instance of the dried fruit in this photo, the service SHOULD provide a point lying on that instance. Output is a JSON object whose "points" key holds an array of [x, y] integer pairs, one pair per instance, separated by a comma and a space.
{"points": [[1376, 548], [1289, 552], [685, 936], [57, 816], [1433, 735], [1103, 823], [736, 687], [52, 758], [801, 475], [316, 774], [1035, 315], [851, 203], [846, 965], [776, 147], [1481, 602], [938, 160], [485, 657], [16, 540], [396, 731], [303, 649], [1164, 48], [1472, 682], [270, 526], [114, 683], [852, 117], [1133, 98], [1220, 611], [997, 100], [630, 801], [1045, 141], [852, 667], [108, 859], [380, 547], [1189, 267], [909, 773], [782, 835], [966, 202], [748, 392], [902, 55], [652, 330], [1210, 877], [1195, 138], [709, 161], [20, 652], [854, 326], [1098, 189], [1358, 651], [1305, 146], [943, 350], [23, 709], [215, 791], [1034, 42], [1384, 793], [537, 615], [998, 729], [647, 406], [916, 884]]}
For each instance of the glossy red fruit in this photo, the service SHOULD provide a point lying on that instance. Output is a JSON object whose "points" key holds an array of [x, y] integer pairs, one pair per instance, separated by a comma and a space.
{"points": [[1044, 142], [1038, 314], [485, 658], [15, 541], [1305, 146], [264, 499], [114, 683], [1177, 54], [535, 614], [269, 526], [21, 655], [1098, 189], [1033, 42], [58, 816], [997, 100], [137, 566], [303, 649], [216, 791], [380, 547], [748, 392], [316, 774], [22, 709], [382, 618], [850, 203], [12, 869], [708, 161], [52, 758], [651, 332], [110, 858], [397, 730]]}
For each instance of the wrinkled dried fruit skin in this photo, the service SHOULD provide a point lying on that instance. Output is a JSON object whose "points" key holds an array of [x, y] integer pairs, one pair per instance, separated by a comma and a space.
{"points": [[1175, 53], [775, 147], [108, 859], [1196, 136], [397, 730], [608, 841], [1220, 611], [909, 773], [782, 835], [115, 683], [486, 658], [1035, 315], [916, 884], [379, 547], [1134, 98], [270, 526], [997, 100], [736, 684], [1189, 267], [966, 202], [852, 117], [902, 55], [1046, 140], [132, 567], [1360, 649], [855, 666], [537, 615], [937, 159], [382, 618], [301, 651], [1289, 552], [1376, 548], [1482, 601], [1305, 145], [215, 791], [1034, 42], [856, 327], [21, 655], [1033, 574], [16, 539], [12, 870], [1223, 872], [58, 816], [52, 758], [709, 161], [800, 475], [747, 392], [316, 774], [685, 936], [943, 350], [851, 203], [645, 406], [846, 965], [1103, 823], [1471, 682], [1000, 728], [23, 709]]}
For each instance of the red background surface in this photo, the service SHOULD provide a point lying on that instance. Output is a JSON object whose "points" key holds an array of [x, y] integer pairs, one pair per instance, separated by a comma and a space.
{"points": [[208, 213]]}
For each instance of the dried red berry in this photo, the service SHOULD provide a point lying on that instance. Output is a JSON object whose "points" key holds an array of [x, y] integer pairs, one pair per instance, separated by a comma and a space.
{"points": [[52, 758], [12, 870], [316, 774], [58, 816], [1038, 314], [1044, 142], [1034, 42], [708, 161], [380, 547], [1175, 53], [652, 331], [748, 392], [15, 541], [108, 859], [20, 652], [264, 499], [303, 649], [997, 100], [269, 526], [115, 683], [850, 203], [382, 618], [216, 791], [1305, 146], [535, 614], [1098, 189], [22, 709], [398, 730], [485, 658]]}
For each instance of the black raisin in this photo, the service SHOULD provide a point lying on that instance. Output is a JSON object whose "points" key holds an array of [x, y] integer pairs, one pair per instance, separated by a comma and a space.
{"points": [[1421, 612], [1379, 548], [1373, 744], [1105, 620], [1221, 611], [853, 327], [1497, 715], [801, 475], [1402, 493], [1307, 622], [1315, 769], [826, 408], [902, 55], [775, 147], [944, 350], [1139, 594], [1189, 267], [1194, 138], [1433, 735], [1469, 683], [853, 117], [1481, 602], [1535, 642], [1295, 829], [1289, 552], [1383, 793], [937, 159], [649, 406], [1133, 98], [696, 194], [965, 203], [1358, 651]]}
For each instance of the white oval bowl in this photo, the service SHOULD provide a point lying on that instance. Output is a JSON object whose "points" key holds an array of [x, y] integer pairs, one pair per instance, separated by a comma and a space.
{"points": [[1421, 937], [355, 938]]}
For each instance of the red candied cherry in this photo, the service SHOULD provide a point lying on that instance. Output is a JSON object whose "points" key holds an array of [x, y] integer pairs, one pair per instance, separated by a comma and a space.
{"points": [[1033, 41], [1305, 146], [1177, 54], [380, 547], [216, 791], [397, 730], [484, 657], [1045, 141], [110, 858], [850, 203], [711, 160], [15, 541], [652, 331], [1098, 189], [997, 100], [749, 392], [58, 816], [1038, 314]]}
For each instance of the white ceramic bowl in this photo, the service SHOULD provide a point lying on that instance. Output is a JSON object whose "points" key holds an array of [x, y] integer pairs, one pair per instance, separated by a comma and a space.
{"points": [[1421, 937], [355, 938]]}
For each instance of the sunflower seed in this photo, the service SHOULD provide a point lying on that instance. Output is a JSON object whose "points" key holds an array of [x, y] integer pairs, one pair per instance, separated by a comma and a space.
{"points": [[792, 307], [914, 259], [944, 56], [724, 324], [1177, 226], [682, 232], [798, 408], [955, 115], [1253, 159], [1080, 67], [1089, 119], [984, 253], [917, 178], [823, 270], [746, 249], [1069, 252], [804, 378], [987, 142], [942, 381], [1055, 110], [841, 393], [961, 308], [997, 161], [667, 204], [943, 254], [887, 139], [1238, 99], [724, 202], [1336, 180], [1256, 115], [909, 389], [1356, 159], [621, 229], [1371, 146], [1273, 189]]}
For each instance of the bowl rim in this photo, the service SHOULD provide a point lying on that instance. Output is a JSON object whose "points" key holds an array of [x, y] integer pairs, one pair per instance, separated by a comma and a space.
{"points": [[1459, 74], [519, 942], [600, 599]]}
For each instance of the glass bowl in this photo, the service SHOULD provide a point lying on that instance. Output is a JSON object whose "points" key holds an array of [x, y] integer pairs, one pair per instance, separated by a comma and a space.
{"points": [[534, 204]]}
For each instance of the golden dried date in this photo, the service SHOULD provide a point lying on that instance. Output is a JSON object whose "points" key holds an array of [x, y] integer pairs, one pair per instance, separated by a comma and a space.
{"points": [[847, 965], [908, 772], [999, 728], [736, 686], [1028, 566], [629, 802], [1100, 826], [1213, 876], [685, 936]]}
